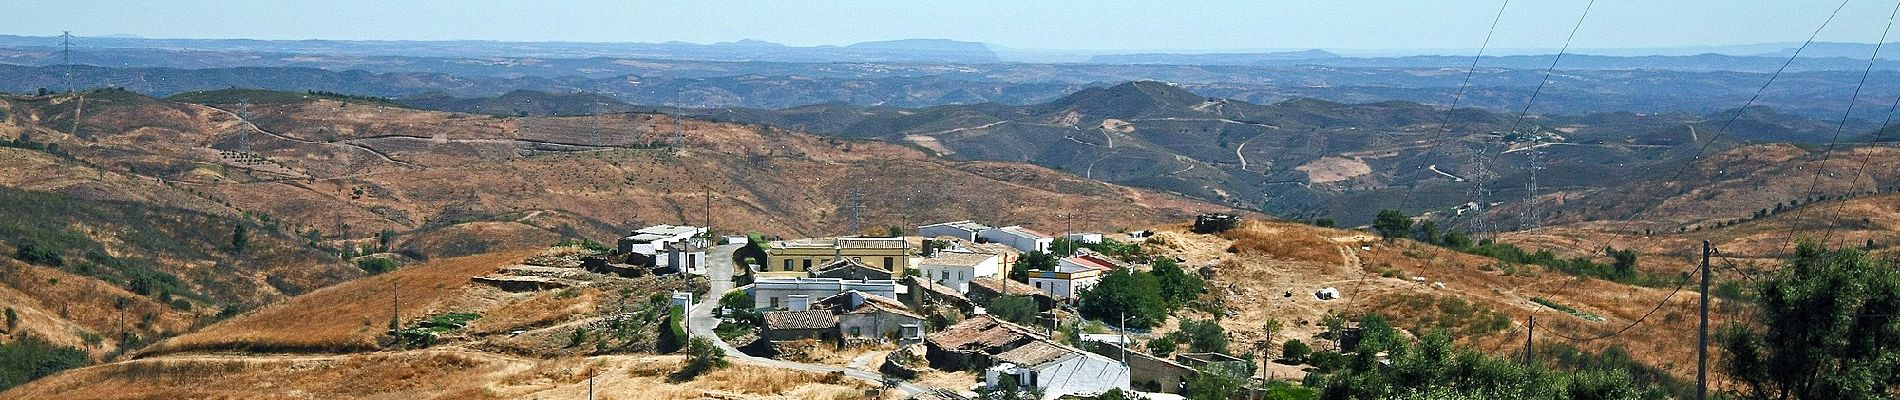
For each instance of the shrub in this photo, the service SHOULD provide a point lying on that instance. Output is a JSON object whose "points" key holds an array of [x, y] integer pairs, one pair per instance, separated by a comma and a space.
{"points": [[30, 358], [377, 265], [1018, 309], [1295, 351]]}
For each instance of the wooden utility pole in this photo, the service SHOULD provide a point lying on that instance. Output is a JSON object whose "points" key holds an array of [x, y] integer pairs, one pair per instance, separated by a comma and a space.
{"points": [[1702, 340], [1530, 332]]}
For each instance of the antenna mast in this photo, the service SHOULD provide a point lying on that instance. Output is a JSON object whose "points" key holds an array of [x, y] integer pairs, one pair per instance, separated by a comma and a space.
{"points": [[66, 57]]}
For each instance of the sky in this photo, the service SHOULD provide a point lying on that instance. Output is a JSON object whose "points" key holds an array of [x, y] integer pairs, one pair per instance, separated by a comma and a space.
{"points": [[1174, 26]]}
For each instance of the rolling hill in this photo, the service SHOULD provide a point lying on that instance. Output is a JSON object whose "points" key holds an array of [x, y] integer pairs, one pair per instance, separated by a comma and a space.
{"points": [[1303, 157]]}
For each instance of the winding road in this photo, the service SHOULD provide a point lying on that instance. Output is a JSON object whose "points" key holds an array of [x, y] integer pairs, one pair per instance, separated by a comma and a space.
{"points": [[700, 323]]}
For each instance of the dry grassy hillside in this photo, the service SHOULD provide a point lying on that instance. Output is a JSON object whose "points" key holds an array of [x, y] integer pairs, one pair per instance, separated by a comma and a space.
{"points": [[349, 317], [1270, 270], [348, 170], [429, 374], [1731, 184]]}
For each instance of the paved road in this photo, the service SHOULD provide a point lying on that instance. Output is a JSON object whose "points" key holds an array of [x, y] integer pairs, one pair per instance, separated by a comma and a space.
{"points": [[700, 323]]}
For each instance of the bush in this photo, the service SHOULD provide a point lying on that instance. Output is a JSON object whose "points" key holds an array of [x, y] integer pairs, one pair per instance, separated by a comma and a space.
{"points": [[377, 265], [32, 358], [1295, 351], [1018, 309], [35, 253], [1162, 346]]}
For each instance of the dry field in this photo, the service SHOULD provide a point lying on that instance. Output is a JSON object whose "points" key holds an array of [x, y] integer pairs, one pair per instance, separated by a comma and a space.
{"points": [[1280, 265], [429, 374], [349, 317]]}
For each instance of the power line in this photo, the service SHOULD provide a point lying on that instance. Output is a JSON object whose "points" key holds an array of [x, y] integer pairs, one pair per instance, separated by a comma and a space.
{"points": [[1835, 140], [1445, 127], [1531, 195], [1639, 321]]}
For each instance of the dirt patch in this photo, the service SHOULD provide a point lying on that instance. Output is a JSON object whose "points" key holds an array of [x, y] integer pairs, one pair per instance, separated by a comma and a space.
{"points": [[1334, 169]]}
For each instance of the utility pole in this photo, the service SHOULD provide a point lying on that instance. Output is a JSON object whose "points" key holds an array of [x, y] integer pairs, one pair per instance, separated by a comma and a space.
{"points": [[1702, 339], [395, 313], [1528, 334], [1123, 330], [590, 382]]}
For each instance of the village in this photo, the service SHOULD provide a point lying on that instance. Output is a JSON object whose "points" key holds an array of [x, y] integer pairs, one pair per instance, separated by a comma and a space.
{"points": [[956, 310]]}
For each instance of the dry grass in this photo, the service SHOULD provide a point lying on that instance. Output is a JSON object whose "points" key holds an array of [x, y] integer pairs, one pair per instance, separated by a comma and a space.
{"points": [[429, 374], [953, 380], [348, 317], [56, 305], [1277, 240]]}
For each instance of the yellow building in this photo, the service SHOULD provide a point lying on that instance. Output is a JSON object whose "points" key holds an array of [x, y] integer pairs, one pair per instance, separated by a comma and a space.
{"points": [[792, 258]]}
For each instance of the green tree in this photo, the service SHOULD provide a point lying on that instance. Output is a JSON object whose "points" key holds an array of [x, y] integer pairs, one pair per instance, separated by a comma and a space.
{"points": [[1034, 261], [377, 264], [1203, 336], [1295, 351], [13, 320], [1427, 232], [1162, 346], [1217, 384], [1136, 295], [385, 239], [1392, 224], [1624, 264], [1325, 223], [240, 237], [1829, 328], [1456, 240], [1018, 309], [1177, 286], [701, 356]]}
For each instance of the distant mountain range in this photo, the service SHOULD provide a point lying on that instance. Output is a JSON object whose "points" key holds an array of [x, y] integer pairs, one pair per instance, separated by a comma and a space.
{"points": [[907, 50]]}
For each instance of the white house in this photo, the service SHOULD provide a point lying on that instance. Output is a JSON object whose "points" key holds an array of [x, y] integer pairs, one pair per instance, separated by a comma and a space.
{"points": [[1073, 275], [1057, 370], [650, 240], [1021, 238], [797, 294], [1086, 237], [964, 229], [956, 268]]}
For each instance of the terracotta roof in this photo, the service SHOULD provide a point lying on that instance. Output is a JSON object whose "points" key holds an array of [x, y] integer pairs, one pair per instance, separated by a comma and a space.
{"points": [[1095, 262], [980, 332], [842, 263], [956, 259], [814, 319], [940, 289], [873, 243]]}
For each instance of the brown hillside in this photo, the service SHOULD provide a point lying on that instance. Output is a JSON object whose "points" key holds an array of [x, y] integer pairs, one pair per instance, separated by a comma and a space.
{"points": [[348, 170], [349, 317], [427, 374], [1270, 270]]}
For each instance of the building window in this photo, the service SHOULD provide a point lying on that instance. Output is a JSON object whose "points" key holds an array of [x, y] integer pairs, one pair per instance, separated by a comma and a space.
{"points": [[788, 265], [946, 274], [1038, 284], [774, 302], [855, 331], [807, 264], [889, 263]]}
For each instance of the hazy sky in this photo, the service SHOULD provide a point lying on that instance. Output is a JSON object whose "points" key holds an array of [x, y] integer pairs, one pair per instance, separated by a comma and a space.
{"points": [[1102, 25]]}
